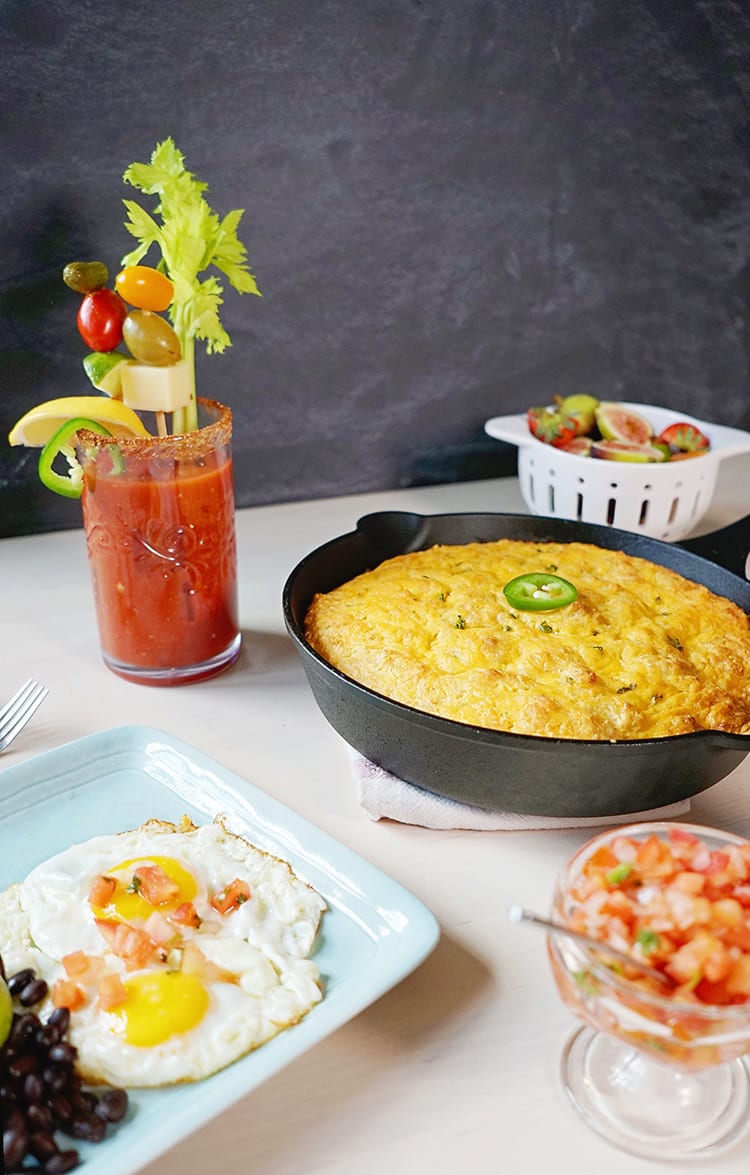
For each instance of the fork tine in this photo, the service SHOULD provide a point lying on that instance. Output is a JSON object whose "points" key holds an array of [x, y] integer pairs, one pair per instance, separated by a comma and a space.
{"points": [[11, 708], [18, 711]]}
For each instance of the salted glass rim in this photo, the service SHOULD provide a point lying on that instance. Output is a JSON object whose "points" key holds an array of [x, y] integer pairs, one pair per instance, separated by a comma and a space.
{"points": [[208, 437], [709, 1012]]}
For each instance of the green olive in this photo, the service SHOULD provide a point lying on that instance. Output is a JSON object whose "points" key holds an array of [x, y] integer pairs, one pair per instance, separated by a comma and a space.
{"points": [[85, 276], [150, 338]]}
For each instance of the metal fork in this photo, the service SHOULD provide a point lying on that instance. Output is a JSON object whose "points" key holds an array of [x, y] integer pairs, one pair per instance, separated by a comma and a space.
{"points": [[21, 707]]}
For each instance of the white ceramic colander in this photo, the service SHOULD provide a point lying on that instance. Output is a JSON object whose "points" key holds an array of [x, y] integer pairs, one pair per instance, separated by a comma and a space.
{"points": [[665, 500]]}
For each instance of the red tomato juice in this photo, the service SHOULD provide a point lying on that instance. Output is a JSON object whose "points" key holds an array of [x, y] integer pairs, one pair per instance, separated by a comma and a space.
{"points": [[162, 552]]}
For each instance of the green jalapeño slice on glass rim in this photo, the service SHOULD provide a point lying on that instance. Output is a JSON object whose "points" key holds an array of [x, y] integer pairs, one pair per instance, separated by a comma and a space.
{"points": [[61, 445], [539, 591]]}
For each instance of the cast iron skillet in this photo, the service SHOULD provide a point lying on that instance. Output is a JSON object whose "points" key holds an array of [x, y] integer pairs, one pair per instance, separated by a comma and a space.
{"points": [[494, 769]]}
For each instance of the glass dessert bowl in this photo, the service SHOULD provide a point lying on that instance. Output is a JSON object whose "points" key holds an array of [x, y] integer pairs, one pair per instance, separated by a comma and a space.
{"points": [[658, 1069]]}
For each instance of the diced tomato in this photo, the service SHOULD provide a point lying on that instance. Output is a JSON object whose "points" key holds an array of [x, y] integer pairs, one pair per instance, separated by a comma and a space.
{"points": [[155, 886], [603, 858], [160, 930], [67, 994], [654, 859], [87, 969], [738, 980], [75, 964], [230, 898], [112, 992], [194, 962], [738, 936], [718, 863], [688, 882], [127, 942], [702, 956], [619, 906], [680, 836], [102, 889], [728, 912], [713, 993], [185, 915]]}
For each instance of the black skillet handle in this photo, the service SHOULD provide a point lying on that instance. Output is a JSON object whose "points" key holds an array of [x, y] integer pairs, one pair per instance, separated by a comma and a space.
{"points": [[390, 532], [396, 532], [729, 546]]}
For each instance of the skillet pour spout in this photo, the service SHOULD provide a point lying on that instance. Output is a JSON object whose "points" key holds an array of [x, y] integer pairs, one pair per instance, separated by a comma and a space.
{"points": [[494, 769]]}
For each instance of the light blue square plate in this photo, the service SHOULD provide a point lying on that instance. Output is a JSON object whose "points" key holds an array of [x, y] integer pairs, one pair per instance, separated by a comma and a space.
{"points": [[373, 934]]}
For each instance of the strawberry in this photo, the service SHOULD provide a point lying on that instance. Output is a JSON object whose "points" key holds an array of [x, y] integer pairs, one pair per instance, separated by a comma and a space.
{"points": [[684, 437], [553, 428]]}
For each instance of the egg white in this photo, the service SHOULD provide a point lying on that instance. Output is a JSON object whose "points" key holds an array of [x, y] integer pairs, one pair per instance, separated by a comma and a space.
{"points": [[264, 944]]}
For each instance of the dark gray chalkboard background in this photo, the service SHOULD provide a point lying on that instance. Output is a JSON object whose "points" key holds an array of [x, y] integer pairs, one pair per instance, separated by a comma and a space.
{"points": [[455, 208]]}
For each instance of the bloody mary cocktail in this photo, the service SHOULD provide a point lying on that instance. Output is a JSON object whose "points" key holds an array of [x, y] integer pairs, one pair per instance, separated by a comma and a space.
{"points": [[160, 531]]}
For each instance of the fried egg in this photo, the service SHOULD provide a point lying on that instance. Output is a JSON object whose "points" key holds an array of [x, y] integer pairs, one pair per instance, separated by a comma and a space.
{"points": [[177, 948]]}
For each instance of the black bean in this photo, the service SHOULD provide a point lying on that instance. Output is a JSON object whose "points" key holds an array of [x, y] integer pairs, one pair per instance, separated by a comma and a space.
{"points": [[40, 1090], [89, 1127], [14, 1118], [14, 1147], [23, 1064], [20, 979], [61, 1162], [55, 1078], [42, 1145], [40, 1118], [23, 1030], [33, 1088], [32, 993], [2, 968], [60, 1018], [86, 1101], [60, 1107], [62, 1053], [113, 1105], [46, 1036]]}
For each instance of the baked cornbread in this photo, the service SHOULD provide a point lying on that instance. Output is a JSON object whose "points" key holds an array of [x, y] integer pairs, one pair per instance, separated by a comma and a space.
{"points": [[641, 653]]}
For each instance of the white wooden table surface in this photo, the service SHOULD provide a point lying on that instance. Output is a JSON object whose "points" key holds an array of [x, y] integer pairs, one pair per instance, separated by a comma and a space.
{"points": [[456, 1069]]}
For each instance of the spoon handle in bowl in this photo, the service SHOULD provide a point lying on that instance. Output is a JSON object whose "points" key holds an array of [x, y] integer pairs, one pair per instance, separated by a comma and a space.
{"points": [[518, 914]]}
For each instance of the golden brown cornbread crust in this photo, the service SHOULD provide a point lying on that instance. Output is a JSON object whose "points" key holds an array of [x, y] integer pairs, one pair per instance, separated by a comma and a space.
{"points": [[642, 652]]}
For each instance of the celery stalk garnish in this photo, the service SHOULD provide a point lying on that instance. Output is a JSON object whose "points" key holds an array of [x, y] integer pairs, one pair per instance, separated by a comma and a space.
{"points": [[190, 238]]}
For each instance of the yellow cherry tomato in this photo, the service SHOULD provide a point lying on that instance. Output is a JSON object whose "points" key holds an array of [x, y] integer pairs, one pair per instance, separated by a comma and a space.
{"points": [[144, 287]]}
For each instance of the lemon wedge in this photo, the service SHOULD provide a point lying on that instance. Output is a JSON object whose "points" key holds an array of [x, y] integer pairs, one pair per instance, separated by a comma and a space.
{"points": [[42, 422]]}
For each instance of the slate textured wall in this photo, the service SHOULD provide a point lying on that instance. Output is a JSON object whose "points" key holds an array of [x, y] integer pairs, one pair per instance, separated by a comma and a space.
{"points": [[454, 209]]}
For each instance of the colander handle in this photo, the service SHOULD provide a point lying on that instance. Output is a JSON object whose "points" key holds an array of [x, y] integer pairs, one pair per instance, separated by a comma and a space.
{"points": [[729, 546]]}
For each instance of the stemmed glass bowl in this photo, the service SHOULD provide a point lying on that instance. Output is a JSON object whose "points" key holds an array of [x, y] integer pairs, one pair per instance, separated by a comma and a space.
{"points": [[655, 1070]]}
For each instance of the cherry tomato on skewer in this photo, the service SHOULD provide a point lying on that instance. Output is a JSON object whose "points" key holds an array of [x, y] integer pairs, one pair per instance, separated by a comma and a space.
{"points": [[100, 318], [144, 287]]}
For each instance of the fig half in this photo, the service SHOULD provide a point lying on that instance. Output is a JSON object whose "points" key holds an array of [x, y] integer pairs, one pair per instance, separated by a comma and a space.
{"points": [[616, 423], [627, 451]]}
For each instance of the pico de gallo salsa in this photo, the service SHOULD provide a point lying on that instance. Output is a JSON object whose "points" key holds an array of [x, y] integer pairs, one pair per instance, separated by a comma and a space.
{"points": [[677, 897], [676, 903]]}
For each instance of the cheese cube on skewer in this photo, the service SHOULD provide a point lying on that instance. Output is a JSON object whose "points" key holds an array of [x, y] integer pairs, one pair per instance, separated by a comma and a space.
{"points": [[156, 389]]}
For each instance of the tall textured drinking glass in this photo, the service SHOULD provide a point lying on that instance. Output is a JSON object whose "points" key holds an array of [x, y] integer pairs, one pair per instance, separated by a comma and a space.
{"points": [[160, 529]]}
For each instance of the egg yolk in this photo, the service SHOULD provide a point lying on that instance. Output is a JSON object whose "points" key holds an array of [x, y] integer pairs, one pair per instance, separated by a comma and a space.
{"points": [[161, 1004], [128, 905]]}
